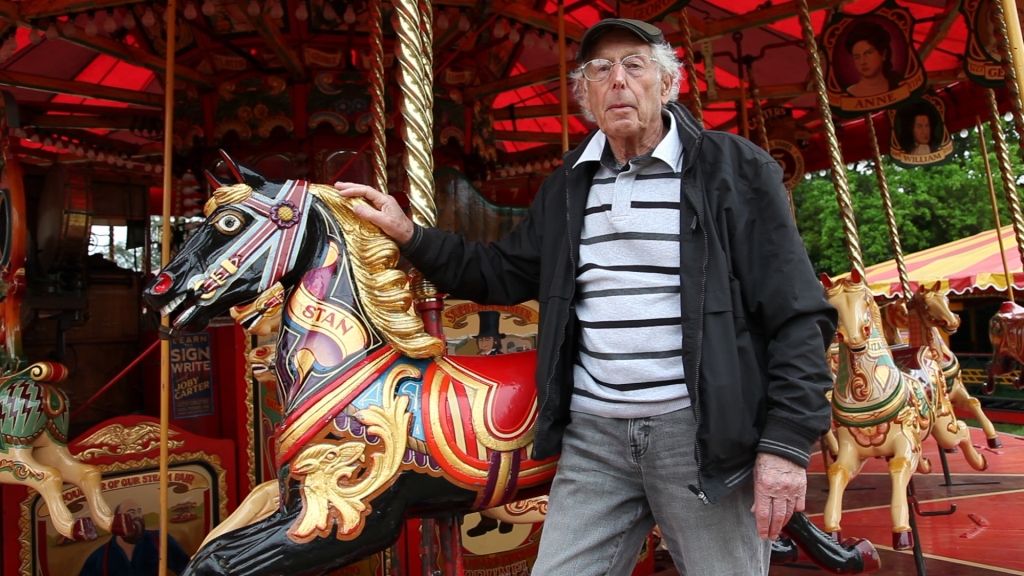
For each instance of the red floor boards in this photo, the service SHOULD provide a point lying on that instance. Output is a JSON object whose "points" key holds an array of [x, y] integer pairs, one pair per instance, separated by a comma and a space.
{"points": [[983, 537]]}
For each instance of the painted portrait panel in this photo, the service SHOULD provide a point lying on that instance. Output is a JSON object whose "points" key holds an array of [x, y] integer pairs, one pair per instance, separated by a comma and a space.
{"points": [[872, 63], [919, 134]]}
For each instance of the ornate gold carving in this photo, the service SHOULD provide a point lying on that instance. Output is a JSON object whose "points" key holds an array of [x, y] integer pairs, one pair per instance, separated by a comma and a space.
{"points": [[327, 470], [120, 440]]}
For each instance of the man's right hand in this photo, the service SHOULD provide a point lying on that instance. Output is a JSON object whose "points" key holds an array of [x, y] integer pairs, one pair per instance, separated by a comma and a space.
{"points": [[383, 211]]}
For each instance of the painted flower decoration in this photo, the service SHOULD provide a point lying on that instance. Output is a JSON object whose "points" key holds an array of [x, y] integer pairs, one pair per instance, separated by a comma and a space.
{"points": [[285, 214]]}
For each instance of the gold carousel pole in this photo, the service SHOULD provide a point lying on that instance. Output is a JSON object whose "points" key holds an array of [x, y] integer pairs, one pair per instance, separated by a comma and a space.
{"points": [[1006, 173], [1009, 28], [165, 257], [890, 215], [415, 77], [835, 154], [379, 122], [691, 69], [995, 208], [563, 78]]}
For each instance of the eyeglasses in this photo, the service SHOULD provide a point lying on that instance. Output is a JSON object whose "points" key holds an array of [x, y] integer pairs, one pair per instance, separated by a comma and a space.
{"points": [[598, 69]]}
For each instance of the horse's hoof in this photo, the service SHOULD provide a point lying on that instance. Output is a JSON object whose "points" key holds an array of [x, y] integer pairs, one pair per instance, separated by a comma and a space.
{"points": [[995, 442], [83, 530], [867, 553], [902, 540], [950, 450], [836, 535]]}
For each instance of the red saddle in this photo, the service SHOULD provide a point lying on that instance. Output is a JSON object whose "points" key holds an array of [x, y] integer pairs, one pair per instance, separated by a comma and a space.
{"points": [[479, 413]]}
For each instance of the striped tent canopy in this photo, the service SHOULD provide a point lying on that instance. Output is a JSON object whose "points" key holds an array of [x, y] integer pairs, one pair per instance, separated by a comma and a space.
{"points": [[968, 265]]}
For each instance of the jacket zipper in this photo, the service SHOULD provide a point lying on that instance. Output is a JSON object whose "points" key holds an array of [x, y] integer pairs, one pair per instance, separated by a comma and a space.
{"points": [[699, 488], [572, 294]]}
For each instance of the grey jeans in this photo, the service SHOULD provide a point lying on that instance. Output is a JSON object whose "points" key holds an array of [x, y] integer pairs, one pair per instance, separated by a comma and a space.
{"points": [[618, 477]]}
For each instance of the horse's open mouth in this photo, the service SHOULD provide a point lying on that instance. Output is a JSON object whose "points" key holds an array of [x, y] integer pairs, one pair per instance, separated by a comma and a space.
{"points": [[857, 349], [180, 310]]}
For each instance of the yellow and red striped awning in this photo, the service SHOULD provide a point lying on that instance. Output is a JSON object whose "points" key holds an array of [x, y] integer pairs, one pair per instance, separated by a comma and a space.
{"points": [[970, 264]]}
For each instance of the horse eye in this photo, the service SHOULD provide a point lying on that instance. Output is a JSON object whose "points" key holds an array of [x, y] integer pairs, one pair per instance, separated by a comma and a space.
{"points": [[228, 223]]}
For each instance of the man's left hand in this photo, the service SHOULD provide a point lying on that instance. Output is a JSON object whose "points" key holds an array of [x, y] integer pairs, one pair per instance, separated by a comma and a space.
{"points": [[779, 490]]}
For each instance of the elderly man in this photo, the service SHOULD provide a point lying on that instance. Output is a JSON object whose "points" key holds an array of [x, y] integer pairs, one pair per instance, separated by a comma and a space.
{"points": [[681, 368]]}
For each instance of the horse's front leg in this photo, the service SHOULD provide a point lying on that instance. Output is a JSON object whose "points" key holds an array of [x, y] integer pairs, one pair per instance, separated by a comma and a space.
{"points": [[86, 477], [901, 470], [844, 469], [20, 467]]}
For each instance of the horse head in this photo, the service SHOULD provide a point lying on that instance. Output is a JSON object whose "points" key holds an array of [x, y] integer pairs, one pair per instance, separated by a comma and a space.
{"points": [[252, 238], [933, 306], [859, 318]]}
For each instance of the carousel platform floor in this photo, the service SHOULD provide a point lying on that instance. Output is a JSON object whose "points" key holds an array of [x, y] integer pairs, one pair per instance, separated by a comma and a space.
{"points": [[984, 536]]}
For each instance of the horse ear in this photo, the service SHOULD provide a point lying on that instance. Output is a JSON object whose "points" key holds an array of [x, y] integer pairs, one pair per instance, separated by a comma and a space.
{"points": [[937, 286], [232, 166], [212, 180], [825, 280], [855, 276]]}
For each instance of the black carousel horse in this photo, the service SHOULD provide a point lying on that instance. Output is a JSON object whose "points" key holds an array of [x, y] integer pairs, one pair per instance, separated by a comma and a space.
{"points": [[380, 424]]}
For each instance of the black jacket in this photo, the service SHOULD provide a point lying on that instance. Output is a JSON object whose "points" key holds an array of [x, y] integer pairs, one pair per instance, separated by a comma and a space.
{"points": [[755, 321]]}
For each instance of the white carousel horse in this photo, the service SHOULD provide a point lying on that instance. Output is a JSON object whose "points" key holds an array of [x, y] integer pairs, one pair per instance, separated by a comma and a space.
{"points": [[881, 410]]}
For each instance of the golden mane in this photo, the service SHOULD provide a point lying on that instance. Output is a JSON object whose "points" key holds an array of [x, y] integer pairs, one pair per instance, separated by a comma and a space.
{"points": [[383, 290], [227, 195]]}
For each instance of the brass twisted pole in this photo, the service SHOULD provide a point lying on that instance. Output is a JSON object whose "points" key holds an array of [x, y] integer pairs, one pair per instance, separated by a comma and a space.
{"points": [[839, 180], [890, 215], [416, 114], [762, 129], [690, 67], [427, 61], [378, 125], [995, 208], [1009, 69], [1013, 45], [1006, 172]]}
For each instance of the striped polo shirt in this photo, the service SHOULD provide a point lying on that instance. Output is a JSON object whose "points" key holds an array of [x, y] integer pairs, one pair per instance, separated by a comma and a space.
{"points": [[630, 362]]}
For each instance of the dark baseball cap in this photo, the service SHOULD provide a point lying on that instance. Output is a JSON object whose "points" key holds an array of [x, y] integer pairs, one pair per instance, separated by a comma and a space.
{"points": [[644, 31]]}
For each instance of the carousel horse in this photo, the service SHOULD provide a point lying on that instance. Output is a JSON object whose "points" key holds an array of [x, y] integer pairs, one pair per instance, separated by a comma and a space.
{"points": [[1006, 333], [884, 407], [34, 453], [379, 423], [929, 313]]}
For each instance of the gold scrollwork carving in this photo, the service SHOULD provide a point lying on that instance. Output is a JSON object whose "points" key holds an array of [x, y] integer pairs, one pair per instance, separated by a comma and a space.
{"points": [[120, 440], [326, 470]]}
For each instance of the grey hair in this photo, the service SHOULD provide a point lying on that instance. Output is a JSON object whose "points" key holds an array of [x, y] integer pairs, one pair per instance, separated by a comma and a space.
{"points": [[663, 56]]}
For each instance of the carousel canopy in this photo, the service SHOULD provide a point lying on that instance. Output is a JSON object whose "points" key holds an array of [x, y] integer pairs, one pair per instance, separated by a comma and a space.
{"points": [[969, 265], [269, 76]]}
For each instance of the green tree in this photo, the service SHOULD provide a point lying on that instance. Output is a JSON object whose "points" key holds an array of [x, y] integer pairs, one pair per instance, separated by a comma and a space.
{"points": [[932, 205]]}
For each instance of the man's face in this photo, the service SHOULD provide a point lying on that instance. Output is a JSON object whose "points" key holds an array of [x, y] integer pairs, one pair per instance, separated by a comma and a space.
{"points": [[626, 107], [485, 344], [922, 129], [128, 522]]}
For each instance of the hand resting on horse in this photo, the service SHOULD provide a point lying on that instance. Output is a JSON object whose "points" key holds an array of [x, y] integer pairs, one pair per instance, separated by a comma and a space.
{"points": [[384, 212]]}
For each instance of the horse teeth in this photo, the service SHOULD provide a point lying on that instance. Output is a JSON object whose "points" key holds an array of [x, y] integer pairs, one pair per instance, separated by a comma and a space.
{"points": [[169, 308]]}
